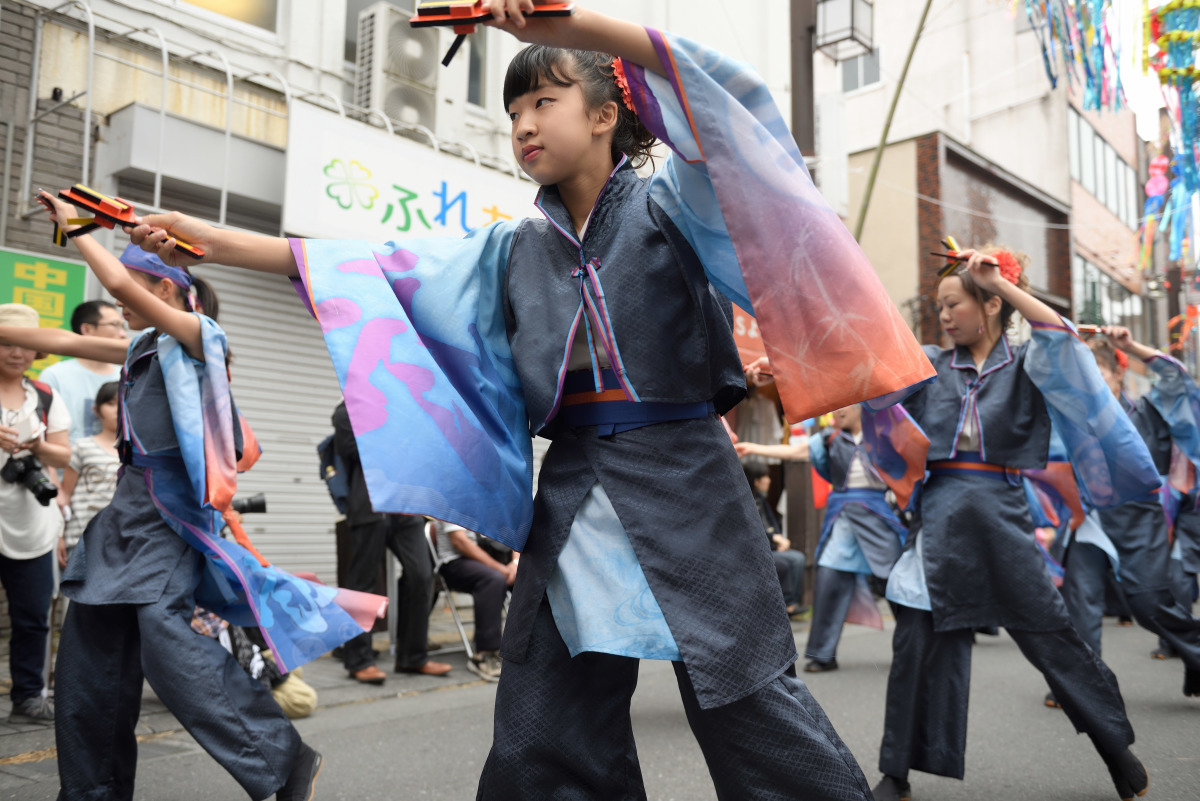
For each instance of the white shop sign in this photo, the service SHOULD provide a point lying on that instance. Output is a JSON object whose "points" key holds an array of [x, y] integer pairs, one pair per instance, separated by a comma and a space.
{"points": [[349, 180]]}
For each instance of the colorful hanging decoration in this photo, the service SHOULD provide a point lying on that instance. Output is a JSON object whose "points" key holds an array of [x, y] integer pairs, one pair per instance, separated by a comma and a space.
{"points": [[1077, 34], [1172, 32]]}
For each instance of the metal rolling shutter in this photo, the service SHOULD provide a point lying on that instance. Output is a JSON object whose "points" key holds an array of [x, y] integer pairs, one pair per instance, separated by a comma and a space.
{"points": [[285, 385]]}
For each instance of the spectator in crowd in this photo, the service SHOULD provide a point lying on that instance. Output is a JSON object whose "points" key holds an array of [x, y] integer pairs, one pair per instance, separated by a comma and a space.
{"points": [[78, 380], [91, 478], [33, 436], [373, 535], [789, 564], [467, 567]]}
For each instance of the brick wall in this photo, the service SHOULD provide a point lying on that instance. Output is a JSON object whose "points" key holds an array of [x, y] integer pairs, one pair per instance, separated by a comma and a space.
{"points": [[930, 230]]}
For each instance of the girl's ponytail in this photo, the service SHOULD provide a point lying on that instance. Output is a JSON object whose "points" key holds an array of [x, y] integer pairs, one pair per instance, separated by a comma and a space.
{"points": [[205, 297]]}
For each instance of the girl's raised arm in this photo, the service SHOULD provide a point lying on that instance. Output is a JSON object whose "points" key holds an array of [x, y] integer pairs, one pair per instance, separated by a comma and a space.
{"points": [[986, 272], [135, 296], [65, 343], [584, 30]]}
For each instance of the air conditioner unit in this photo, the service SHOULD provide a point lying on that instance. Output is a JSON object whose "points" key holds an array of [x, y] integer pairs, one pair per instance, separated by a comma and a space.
{"points": [[400, 71]]}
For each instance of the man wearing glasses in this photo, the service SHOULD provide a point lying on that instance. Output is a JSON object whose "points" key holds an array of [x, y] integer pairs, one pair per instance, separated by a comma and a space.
{"points": [[78, 380]]}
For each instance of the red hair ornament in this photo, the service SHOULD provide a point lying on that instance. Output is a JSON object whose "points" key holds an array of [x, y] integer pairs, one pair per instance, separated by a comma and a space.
{"points": [[1009, 267], [618, 68]]}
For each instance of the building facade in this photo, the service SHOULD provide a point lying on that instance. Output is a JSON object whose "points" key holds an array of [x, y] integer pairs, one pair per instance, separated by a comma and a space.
{"points": [[981, 147]]}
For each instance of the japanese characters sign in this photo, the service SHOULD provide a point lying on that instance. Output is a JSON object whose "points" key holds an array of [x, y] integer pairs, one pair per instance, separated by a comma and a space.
{"points": [[51, 286], [349, 180]]}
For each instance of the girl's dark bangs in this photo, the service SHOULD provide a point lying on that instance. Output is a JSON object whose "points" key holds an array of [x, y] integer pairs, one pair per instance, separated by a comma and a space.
{"points": [[529, 67]]}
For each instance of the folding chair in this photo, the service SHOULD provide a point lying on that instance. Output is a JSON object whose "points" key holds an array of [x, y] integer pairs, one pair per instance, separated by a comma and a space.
{"points": [[444, 589]]}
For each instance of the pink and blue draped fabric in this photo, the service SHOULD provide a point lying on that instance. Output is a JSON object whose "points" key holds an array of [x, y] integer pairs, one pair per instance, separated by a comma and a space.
{"points": [[416, 334], [897, 448], [832, 334], [1177, 399], [1110, 461], [300, 619]]}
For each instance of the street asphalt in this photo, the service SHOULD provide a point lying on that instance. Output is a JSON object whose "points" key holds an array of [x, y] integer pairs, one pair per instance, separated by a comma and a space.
{"points": [[420, 738]]}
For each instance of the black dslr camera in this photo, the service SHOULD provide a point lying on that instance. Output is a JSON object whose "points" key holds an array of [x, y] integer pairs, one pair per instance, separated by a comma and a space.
{"points": [[28, 472]]}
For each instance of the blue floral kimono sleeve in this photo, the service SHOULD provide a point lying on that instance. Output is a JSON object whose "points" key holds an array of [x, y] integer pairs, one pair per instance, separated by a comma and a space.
{"points": [[417, 336]]}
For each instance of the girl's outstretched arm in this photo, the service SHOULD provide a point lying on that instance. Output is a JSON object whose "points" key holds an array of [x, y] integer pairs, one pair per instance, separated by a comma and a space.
{"points": [[66, 343], [133, 295], [584, 30], [156, 233]]}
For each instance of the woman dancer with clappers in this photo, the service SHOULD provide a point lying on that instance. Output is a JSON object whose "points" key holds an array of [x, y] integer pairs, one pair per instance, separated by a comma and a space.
{"points": [[970, 560]]}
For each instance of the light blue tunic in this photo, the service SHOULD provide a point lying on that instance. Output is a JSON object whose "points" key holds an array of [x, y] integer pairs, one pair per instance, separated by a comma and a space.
{"points": [[598, 592]]}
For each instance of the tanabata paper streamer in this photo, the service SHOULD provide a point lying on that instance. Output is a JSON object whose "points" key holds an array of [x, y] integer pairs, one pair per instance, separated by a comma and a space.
{"points": [[1077, 34], [300, 620], [832, 334]]}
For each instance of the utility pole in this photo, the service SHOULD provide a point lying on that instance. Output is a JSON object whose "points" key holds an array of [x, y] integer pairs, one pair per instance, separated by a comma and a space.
{"points": [[803, 30], [887, 125]]}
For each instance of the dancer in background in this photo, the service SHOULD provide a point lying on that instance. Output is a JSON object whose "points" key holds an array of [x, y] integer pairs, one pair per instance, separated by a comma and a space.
{"points": [[155, 552], [1166, 418], [971, 560], [602, 328]]}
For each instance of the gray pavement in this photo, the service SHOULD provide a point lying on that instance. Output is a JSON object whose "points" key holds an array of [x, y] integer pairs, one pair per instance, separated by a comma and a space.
{"points": [[426, 738]]}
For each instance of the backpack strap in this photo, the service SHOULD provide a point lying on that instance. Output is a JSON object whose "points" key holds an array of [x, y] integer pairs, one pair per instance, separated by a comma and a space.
{"points": [[45, 396]]}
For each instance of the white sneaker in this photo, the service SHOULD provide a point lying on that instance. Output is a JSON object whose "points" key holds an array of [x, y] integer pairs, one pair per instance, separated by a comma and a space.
{"points": [[485, 665]]}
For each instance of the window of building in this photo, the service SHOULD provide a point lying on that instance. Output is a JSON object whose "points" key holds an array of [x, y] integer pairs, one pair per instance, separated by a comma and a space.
{"points": [[1087, 158], [1133, 198], [1073, 142], [1101, 180], [477, 73], [1099, 300], [860, 71], [259, 13], [1110, 180]]}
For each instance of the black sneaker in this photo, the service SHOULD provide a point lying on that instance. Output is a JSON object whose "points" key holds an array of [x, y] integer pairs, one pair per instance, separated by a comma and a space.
{"points": [[38, 709], [1128, 774], [1163, 652], [817, 666], [892, 789], [299, 786], [1052, 702]]}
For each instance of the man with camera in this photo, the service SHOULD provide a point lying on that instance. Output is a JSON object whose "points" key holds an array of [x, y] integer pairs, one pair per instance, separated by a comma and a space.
{"points": [[33, 436]]}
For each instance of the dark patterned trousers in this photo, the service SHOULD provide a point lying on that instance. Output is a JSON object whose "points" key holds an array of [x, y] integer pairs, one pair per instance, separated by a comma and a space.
{"points": [[563, 732], [104, 654], [925, 727]]}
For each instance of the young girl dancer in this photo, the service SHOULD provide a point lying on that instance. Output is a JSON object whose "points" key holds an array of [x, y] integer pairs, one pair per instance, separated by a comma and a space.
{"points": [[146, 560], [861, 535], [971, 561], [1167, 419], [602, 328]]}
